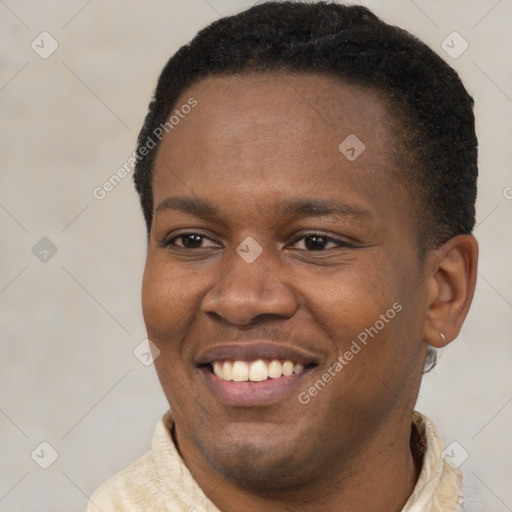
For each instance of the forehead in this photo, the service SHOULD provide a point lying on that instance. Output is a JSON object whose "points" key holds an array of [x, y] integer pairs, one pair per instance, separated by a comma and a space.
{"points": [[272, 134], [302, 102]]}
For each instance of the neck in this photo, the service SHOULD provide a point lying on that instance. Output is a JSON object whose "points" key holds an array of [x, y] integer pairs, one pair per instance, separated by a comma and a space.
{"points": [[380, 476]]}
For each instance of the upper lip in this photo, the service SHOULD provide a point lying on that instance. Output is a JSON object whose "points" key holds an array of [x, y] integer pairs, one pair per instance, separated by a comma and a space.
{"points": [[253, 350]]}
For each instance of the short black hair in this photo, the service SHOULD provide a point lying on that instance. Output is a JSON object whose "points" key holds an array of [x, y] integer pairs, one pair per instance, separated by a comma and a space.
{"points": [[430, 111], [436, 144]]}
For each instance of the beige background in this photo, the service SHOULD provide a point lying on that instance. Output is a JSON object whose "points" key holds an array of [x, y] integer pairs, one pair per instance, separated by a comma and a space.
{"points": [[69, 325]]}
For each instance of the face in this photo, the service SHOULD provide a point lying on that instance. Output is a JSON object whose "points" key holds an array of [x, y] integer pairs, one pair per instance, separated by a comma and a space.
{"points": [[272, 243]]}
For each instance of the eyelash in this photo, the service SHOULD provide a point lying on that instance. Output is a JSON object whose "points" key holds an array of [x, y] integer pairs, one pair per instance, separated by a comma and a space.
{"points": [[326, 238]]}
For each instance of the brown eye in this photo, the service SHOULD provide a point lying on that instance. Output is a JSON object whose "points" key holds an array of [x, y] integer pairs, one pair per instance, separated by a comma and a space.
{"points": [[318, 242], [190, 241], [187, 241]]}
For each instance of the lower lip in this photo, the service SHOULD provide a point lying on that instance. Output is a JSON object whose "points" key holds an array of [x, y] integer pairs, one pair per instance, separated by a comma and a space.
{"points": [[251, 394]]}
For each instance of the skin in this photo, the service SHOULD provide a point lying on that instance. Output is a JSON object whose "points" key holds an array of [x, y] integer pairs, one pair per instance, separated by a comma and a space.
{"points": [[253, 142]]}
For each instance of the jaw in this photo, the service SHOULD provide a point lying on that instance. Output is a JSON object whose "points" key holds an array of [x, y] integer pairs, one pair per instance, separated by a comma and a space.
{"points": [[256, 454]]}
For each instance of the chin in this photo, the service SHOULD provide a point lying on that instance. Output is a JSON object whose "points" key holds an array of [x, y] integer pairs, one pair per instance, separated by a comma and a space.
{"points": [[255, 468], [254, 461]]}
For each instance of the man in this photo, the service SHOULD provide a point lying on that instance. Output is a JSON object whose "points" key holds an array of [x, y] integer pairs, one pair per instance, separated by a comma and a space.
{"points": [[308, 179]]}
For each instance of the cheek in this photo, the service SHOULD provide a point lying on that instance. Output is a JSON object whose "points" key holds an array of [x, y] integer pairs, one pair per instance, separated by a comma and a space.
{"points": [[167, 300], [367, 313], [167, 309], [351, 298]]}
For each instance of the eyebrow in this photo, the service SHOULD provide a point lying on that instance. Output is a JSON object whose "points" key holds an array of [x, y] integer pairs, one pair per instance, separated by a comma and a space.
{"points": [[295, 208], [194, 206], [312, 207]]}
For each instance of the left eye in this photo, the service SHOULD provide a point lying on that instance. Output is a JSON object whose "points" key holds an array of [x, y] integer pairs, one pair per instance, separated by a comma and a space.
{"points": [[316, 242]]}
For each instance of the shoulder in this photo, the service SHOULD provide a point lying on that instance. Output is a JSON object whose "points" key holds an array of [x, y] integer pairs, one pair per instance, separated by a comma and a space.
{"points": [[139, 486], [439, 486], [133, 488]]}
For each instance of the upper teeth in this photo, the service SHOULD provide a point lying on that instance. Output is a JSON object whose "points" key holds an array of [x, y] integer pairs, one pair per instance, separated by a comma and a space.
{"points": [[241, 371]]}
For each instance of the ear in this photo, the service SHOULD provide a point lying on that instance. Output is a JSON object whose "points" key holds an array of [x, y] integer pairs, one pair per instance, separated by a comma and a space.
{"points": [[451, 285]]}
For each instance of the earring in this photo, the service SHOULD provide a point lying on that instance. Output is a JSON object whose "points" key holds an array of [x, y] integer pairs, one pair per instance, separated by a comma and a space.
{"points": [[443, 337]]}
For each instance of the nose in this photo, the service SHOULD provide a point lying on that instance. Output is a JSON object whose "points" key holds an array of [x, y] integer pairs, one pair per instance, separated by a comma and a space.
{"points": [[246, 291]]}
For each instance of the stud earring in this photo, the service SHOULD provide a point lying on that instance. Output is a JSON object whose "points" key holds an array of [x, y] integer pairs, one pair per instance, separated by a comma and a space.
{"points": [[443, 337]]}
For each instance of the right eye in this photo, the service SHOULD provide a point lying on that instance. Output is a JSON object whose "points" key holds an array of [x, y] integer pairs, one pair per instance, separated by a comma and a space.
{"points": [[189, 240]]}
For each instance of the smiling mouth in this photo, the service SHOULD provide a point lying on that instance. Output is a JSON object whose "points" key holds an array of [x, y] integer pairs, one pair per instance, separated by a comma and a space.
{"points": [[255, 371]]}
